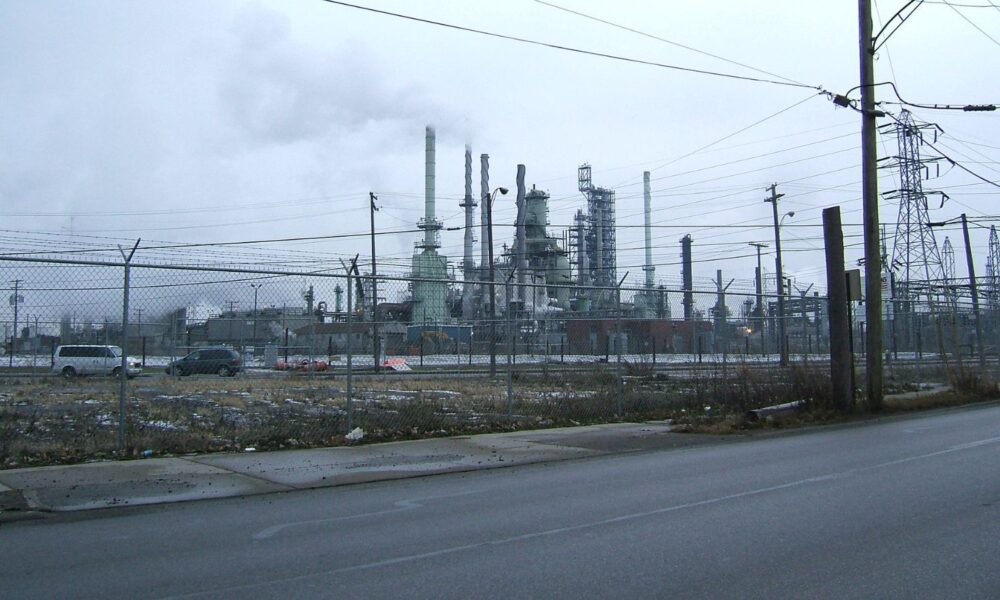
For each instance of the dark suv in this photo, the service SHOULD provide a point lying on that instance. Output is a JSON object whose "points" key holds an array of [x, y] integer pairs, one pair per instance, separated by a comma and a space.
{"points": [[223, 361]]}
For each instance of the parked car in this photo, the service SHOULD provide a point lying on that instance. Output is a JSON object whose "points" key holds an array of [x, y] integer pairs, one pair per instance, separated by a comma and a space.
{"points": [[72, 360], [301, 365], [223, 361]]}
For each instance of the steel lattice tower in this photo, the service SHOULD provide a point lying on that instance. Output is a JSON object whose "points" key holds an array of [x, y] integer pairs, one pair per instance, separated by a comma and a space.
{"points": [[915, 256], [600, 235], [947, 261], [993, 271]]}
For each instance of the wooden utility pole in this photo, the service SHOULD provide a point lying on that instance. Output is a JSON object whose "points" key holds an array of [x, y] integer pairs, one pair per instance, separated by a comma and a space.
{"points": [[782, 338], [975, 296], [836, 285], [869, 177]]}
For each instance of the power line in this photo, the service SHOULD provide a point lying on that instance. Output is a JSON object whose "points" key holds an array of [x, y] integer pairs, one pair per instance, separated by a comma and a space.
{"points": [[970, 22], [569, 48], [950, 160], [664, 40], [846, 101], [726, 137]]}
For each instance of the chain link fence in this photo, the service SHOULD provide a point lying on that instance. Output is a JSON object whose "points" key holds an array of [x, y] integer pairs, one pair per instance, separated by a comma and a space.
{"points": [[320, 363]]}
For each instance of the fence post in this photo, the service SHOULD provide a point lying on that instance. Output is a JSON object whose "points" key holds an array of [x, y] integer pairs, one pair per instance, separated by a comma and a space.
{"points": [[350, 356], [510, 350], [123, 372], [618, 346], [350, 345]]}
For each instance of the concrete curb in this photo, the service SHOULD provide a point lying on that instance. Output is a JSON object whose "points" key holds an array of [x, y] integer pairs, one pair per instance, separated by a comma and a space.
{"points": [[90, 486]]}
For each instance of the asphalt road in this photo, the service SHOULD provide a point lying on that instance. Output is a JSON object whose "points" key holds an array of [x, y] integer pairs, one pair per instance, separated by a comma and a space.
{"points": [[906, 508]]}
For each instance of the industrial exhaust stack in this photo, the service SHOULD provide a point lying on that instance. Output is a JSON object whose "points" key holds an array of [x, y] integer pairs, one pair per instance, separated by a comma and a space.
{"points": [[520, 241], [484, 235], [430, 224], [430, 269], [468, 262], [647, 210]]}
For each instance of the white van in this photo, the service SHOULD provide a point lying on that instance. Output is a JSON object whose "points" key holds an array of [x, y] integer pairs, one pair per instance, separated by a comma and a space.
{"points": [[70, 361]]}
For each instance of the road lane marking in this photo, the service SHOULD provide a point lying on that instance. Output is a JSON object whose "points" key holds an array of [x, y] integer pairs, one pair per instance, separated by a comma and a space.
{"points": [[569, 528], [400, 506]]}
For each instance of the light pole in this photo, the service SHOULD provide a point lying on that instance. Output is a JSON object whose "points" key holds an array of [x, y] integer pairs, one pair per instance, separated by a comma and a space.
{"points": [[232, 315], [759, 312], [493, 295], [787, 281], [253, 337], [15, 299]]}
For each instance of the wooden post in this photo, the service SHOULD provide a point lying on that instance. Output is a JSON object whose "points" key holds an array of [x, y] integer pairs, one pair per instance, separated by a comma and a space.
{"points": [[836, 285]]}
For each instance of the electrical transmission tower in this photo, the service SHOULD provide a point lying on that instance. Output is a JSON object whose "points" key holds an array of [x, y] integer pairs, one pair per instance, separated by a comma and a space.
{"points": [[916, 260], [993, 272], [915, 256], [947, 261]]}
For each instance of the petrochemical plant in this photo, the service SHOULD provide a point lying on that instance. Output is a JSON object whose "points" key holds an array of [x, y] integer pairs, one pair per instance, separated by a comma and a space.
{"points": [[538, 276]]}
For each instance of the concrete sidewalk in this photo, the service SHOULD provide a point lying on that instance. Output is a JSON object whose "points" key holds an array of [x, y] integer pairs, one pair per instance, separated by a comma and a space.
{"points": [[26, 492]]}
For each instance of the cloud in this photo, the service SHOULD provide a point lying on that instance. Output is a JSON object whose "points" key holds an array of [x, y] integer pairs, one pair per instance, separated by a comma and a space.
{"points": [[275, 90]]}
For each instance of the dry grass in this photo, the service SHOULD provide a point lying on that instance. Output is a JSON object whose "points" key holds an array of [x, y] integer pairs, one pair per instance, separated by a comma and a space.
{"points": [[48, 421]]}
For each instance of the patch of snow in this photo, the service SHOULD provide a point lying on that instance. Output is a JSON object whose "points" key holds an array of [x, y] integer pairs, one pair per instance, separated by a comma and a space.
{"points": [[162, 425]]}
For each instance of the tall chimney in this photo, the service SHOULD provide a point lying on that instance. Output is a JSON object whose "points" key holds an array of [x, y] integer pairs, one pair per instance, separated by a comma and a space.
{"points": [[429, 233], [468, 262], [647, 202], [521, 240], [484, 235]]}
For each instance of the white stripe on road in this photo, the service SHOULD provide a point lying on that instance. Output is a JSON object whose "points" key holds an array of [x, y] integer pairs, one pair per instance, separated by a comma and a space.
{"points": [[578, 527]]}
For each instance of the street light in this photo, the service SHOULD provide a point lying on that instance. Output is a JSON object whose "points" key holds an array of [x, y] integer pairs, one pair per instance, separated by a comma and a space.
{"points": [[493, 294], [759, 311], [783, 342]]}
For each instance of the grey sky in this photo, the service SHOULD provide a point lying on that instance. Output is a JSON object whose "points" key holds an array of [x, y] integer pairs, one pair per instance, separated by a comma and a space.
{"points": [[196, 121]]}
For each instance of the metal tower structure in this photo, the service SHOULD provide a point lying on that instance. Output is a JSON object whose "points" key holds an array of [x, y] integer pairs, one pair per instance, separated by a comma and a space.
{"points": [[947, 261], [600, 236], [430, 269], [687, 277], [948, 274], [468, 260], [578, 248], [915, 256], [993, 271]]}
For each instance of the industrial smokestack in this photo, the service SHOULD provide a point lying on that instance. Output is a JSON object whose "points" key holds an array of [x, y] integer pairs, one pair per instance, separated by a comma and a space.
{"points": [[647, 201], [484, 236], [468, 262], [521, 240], [429, 237], [687, 278]]}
